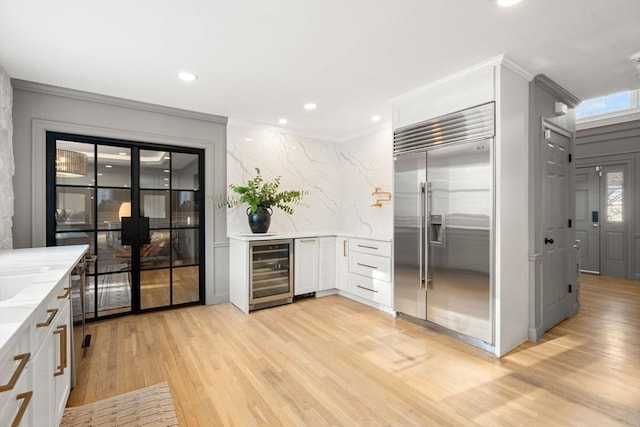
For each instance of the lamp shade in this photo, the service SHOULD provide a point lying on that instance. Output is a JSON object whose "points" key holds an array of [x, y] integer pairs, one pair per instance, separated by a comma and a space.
{"points": [[70, 164], [125, 210]]}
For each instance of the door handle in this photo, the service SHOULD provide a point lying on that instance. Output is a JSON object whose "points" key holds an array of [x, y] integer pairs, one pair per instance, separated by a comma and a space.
{"points": [[548, 241]]}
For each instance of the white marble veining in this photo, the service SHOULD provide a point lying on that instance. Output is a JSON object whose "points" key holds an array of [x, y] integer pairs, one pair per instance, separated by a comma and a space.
{"points": [[27, 277], [339, 178]]}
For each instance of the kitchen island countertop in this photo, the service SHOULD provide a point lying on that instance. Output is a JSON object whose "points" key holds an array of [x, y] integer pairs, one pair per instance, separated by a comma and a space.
{"points": [[27, 276]]}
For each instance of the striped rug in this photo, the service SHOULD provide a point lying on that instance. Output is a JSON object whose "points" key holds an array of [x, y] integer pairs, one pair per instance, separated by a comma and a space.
{"points": [[150, 407]]}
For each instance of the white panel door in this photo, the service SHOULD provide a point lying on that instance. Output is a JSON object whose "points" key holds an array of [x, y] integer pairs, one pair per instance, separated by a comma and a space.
{"points": [[557, 248], [327, 273], [305, 274]]}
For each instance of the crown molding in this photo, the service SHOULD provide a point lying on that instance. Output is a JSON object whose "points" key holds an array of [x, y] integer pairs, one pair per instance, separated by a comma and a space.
{"points": [[554, 88], [46, 89]]}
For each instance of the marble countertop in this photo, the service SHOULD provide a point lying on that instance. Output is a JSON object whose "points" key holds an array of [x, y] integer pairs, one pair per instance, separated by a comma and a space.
{"points": [[27, 277], [250, 237]]}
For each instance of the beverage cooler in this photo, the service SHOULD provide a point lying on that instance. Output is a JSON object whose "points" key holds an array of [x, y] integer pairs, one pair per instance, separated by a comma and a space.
{"points": [[271, 273]]}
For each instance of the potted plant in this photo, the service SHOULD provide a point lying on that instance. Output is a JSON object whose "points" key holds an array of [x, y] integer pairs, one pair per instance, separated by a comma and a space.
{"points": [[262, 196]]}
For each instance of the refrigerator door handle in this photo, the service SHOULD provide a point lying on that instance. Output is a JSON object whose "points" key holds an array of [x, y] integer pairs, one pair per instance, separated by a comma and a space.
{"points": [[423, 237], [427, 264]]}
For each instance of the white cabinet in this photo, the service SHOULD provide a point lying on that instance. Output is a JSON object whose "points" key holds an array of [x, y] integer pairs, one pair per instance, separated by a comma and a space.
{"points": [[369, 277], [327, 264], [39, 393], [61, 360], [306, 265], [342, 263], [315, 264], [16, 380]]}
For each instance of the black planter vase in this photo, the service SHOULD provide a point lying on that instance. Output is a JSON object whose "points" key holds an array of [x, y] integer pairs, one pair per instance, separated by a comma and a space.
{"points": [[260, 220]]}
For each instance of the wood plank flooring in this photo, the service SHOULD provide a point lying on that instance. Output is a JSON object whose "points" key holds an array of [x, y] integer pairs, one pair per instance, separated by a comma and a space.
{"points": [[332, 361]]}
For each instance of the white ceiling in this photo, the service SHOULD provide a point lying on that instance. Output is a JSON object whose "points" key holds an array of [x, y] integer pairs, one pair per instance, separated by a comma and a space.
{"points": [[258, 61]]}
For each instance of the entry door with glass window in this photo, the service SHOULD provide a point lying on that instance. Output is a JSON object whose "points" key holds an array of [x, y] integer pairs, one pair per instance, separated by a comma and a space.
{"points": [[602, 224], [138, 208]]}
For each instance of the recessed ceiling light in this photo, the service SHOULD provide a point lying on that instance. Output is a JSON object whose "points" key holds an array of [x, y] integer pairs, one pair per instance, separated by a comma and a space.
{"points": [[282, 121], [375, 118], [166, 185], [248, 139], [108, 166], [166, 170], [310, 106], [167, 157], [507, 3], [187, 76], [166, 179], [123, 154], [99, 174]]}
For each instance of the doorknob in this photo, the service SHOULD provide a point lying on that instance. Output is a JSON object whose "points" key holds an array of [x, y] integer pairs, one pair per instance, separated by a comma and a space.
{"points": [[548, 241]]}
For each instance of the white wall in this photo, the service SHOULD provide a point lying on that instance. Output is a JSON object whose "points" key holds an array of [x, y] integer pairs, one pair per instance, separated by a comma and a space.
{"points": [[339, 178], [6, 161]]}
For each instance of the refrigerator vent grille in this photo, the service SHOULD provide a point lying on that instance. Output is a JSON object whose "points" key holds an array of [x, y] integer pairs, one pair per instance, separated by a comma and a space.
{"points": [[467, 125]]}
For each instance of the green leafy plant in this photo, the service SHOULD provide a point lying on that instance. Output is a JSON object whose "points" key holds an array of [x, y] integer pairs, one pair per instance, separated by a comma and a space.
{"points": [[258, 193]]}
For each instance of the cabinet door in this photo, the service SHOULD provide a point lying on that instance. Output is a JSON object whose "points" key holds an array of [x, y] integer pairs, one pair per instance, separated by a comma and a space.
{"points": [[62, 361], [342, 263], [327, 278], [305, 276], [43, 391]]}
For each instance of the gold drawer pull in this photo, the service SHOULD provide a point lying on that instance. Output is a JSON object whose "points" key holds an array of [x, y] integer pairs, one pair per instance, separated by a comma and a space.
{"points": [[367, 289], [23, 358], [52, 313], [367, 265], [307, 240], [62, 331], [368, 247], [66, 293], [344, 248], [26, 398]]}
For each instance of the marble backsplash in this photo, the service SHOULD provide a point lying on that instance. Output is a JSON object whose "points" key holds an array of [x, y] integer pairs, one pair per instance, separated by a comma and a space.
{"points": [[339, 178]]}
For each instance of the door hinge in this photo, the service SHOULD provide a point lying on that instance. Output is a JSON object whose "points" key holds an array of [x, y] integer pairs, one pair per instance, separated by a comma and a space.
{"points": [[570, 157], [570, 288], [569, 223]]}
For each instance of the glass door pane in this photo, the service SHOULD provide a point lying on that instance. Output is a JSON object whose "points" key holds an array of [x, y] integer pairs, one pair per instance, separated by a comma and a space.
{"points": [[169, 197], [92, 184]]}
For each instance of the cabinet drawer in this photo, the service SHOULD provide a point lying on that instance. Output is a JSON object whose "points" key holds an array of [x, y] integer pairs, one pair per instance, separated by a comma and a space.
{"points": [[371, 289], [375, 267], [373, 247], [17, 402], [14, 365], [44, 317]]}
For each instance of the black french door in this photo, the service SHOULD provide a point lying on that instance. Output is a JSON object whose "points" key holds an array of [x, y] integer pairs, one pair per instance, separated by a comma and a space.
{"points": [[139, 207]]}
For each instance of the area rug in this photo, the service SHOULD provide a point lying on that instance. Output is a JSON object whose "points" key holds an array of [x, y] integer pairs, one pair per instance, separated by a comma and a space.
{"points": [[114, 290], [150, 407]]}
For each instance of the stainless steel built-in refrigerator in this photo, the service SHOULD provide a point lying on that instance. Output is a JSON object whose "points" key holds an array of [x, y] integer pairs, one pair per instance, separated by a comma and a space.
{"points": [[443, 216]]}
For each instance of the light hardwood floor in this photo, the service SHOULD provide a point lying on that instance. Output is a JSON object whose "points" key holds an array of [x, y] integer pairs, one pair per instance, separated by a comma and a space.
{"points": [[331, 361]]}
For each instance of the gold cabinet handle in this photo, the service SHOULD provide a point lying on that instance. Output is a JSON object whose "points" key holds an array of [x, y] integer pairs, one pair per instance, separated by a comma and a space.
{"points": [[52, 313], [23, 358], [62, 331], [307, 240], [367, 265], [66, 293], [26, 398], [344, 248], [367, 289], [368, 247]]}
